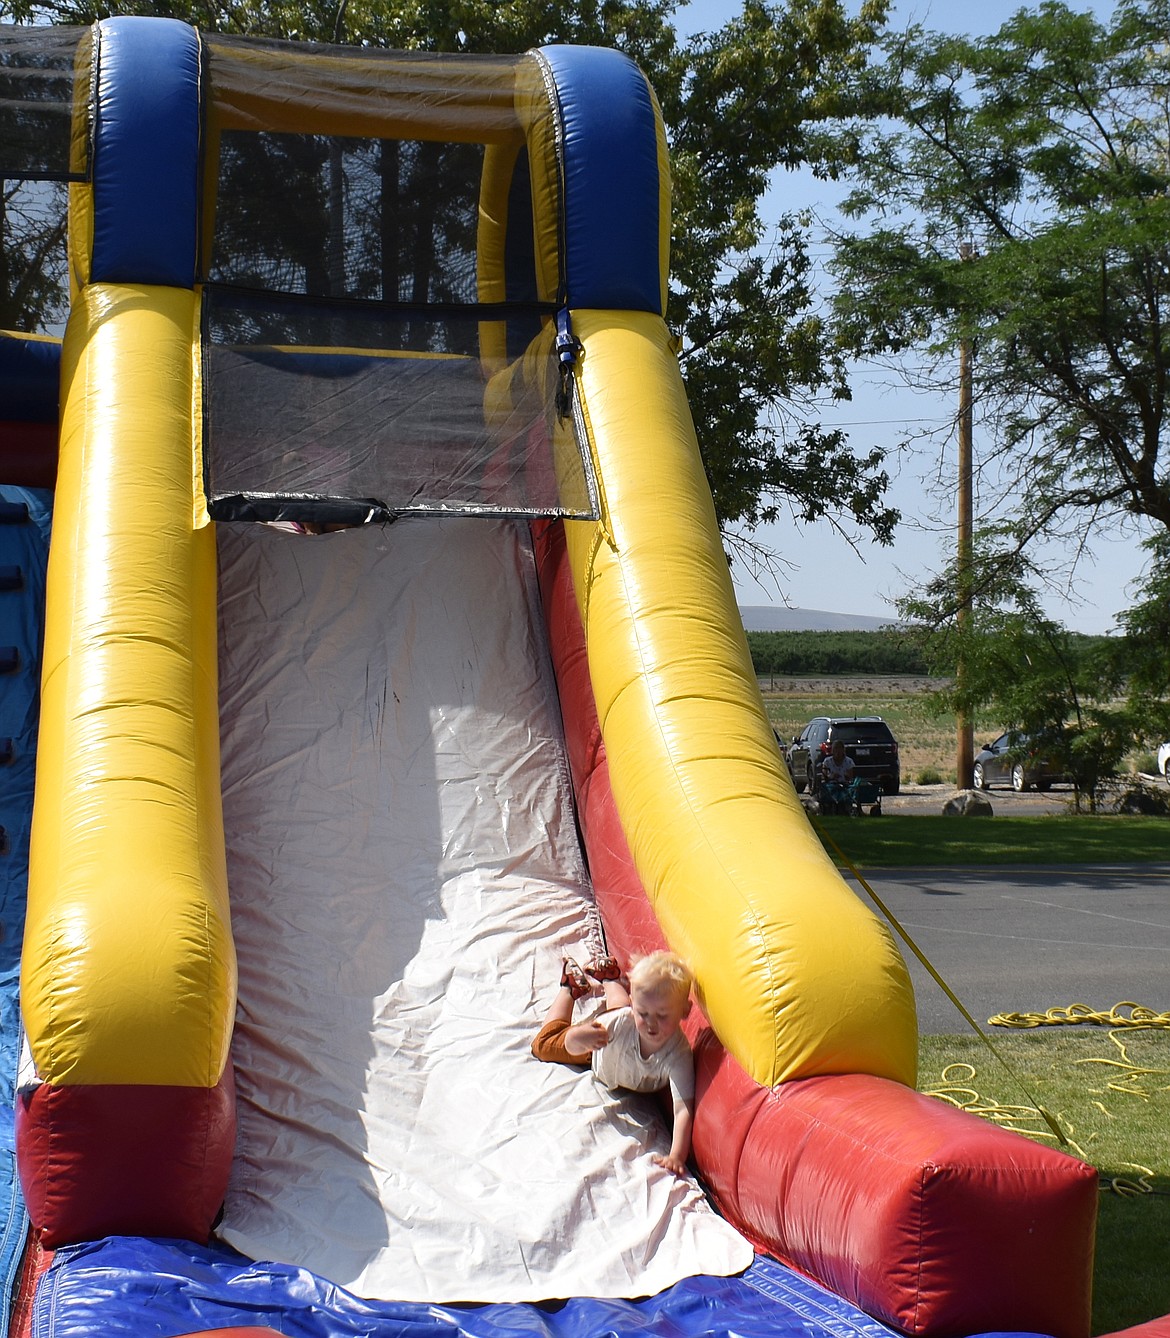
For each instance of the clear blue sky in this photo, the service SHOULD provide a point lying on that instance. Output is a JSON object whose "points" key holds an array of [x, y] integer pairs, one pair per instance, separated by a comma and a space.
{"points": [[818, 570]]}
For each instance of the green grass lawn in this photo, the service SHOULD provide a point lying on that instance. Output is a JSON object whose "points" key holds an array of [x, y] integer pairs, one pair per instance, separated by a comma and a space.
{"points": [[1110, 1092], [1111, 1096], [909, 841]]}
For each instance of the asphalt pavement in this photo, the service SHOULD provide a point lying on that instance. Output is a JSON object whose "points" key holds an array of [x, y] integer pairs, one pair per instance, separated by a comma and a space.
{"points": [[1030, 939]]}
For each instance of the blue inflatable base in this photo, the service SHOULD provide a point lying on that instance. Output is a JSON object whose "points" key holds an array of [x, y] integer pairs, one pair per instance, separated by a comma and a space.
{"points": [[130, 1287], [127, 1287]]}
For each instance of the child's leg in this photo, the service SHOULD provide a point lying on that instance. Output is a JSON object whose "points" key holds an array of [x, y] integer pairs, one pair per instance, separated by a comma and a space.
{"points": [[607, 972], [561, 1008], [575, 984], [549, 1044]]}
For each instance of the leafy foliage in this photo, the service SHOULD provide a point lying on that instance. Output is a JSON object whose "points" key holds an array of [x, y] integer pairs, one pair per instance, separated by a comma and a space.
{"points": [[755, 354], [798, 653], [755, 350], [1062, 690], [1147, 645], [1046, 149]]}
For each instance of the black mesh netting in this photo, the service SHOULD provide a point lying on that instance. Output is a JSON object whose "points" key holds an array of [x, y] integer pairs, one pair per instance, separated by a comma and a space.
{"points": [[352, 366], [326, 217], [36, 103], [37, 67], [392, 412]]}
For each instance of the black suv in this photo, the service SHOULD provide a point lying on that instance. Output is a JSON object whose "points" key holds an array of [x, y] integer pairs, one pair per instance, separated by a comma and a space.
{"points": [[868, 740]]}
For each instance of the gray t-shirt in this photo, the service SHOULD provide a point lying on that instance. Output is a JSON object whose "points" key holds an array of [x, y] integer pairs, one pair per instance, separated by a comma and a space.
{"points": [[620, 1063], [842, 771]]}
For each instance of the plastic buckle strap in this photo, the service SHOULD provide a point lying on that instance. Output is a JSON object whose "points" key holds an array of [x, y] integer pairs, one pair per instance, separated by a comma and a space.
{"points": [[568, 346]]}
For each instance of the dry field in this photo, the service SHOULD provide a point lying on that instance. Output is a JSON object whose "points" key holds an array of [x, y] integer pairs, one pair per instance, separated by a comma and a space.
{"points": [[926, 738]]}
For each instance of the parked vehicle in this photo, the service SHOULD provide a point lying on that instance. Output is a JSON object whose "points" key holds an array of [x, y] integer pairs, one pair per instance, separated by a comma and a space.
{"points": [[1164, 760], [868, 740], [1014, 760]]}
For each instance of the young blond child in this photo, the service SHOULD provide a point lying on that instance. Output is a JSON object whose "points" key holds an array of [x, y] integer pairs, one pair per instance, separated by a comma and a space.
{"points": [[635, 1042]]}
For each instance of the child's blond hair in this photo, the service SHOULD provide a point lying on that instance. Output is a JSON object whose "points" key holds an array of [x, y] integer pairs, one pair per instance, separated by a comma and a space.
{"points": [[663, 971]]}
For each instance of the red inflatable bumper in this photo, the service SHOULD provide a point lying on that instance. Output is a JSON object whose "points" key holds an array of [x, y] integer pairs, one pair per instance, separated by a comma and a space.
{"points": [[924, 1216], [920, 1214]]}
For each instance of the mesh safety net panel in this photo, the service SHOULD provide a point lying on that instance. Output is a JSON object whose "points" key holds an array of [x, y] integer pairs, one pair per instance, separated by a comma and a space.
{"points": [[352, 368], [38, 157], [37, 66], [349, 412]]}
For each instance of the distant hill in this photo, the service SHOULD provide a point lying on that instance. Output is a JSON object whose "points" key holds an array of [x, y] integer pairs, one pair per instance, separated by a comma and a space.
{"points": [[765, 618]]}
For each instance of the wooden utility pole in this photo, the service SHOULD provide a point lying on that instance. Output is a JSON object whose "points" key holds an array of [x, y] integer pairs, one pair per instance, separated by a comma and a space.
{"points": [[965, 741]]}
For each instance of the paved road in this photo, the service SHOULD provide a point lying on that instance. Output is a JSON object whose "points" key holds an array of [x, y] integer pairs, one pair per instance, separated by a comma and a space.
{"points": [[1025, 940]]}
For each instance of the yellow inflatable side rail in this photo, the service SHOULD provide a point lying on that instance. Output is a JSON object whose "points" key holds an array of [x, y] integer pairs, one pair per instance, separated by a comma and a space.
{"points": [[128, 907], [797, 976], [129, 969]]}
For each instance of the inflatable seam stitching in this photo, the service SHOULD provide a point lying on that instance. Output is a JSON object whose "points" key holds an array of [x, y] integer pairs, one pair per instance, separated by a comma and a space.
{"points": [[920, 1230], [558, 123]]}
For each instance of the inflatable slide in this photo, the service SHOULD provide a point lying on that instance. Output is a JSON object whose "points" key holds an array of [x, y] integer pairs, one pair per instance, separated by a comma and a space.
{"points": [[390, 655]]}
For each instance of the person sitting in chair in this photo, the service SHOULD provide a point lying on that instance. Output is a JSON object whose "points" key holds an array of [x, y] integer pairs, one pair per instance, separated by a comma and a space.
{"points": [[838, 781]]}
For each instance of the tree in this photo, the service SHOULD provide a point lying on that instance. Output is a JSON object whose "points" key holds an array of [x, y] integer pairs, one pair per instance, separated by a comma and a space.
{"points": [[1060, 690], [1145, 648], [754, 346], [33, 278], [35, 85], [737, 103], [1047, 147]]}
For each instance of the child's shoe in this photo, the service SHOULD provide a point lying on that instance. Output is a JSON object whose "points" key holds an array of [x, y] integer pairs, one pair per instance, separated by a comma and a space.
{"points": [[574, 979], [604, 968]]}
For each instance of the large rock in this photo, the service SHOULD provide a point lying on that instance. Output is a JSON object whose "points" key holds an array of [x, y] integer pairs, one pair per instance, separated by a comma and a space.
{"points": [[1140, 798], [968, 804]]}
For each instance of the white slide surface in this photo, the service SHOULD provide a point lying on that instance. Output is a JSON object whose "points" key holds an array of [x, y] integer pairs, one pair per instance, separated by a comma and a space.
{"points": [[405, 876]]}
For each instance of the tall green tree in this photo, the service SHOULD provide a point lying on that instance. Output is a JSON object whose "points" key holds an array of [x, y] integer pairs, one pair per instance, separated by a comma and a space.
{"points": [[1146, 644], [1060, 691], [1043, 150], [755, 352]]}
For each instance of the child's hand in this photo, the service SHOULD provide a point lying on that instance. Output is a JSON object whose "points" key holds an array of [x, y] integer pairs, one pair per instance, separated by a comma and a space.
{"points": [[587, 1037], [671, 1163]]}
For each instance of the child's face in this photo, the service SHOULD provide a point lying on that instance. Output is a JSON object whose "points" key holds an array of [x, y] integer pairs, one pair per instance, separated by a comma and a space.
{"points": [[658, 1010]]}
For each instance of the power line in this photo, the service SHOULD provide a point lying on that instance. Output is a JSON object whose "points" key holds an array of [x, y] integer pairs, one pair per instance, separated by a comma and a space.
{"points": [[881, 422]]}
